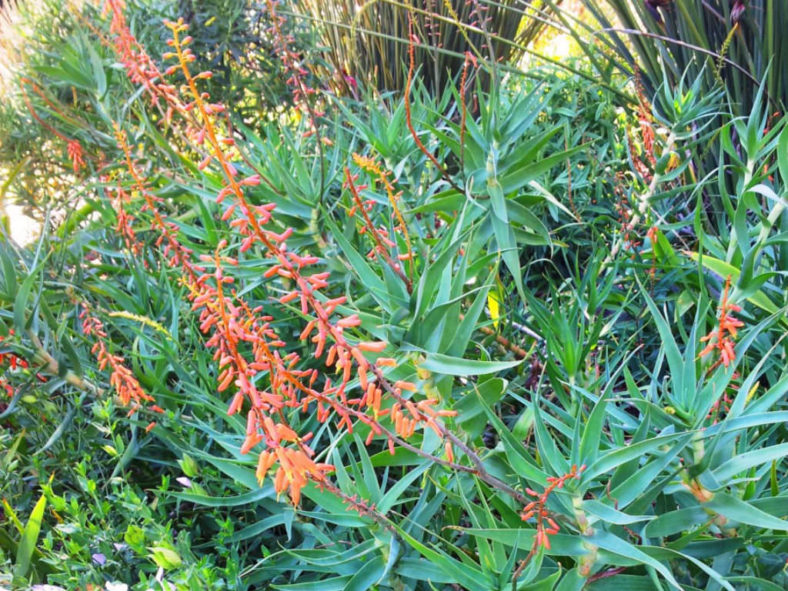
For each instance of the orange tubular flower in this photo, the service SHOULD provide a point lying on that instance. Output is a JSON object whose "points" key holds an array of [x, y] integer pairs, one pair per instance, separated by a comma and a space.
{"points": [[722, 338]]}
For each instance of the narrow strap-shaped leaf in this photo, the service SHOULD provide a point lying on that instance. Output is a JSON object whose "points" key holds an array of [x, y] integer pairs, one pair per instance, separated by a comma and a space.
{"points": [[27, 544], [742, 511]]}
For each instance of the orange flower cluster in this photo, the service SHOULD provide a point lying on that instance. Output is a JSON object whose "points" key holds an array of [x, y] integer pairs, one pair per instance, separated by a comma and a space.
{"points": [[121, 379], [646, 123], [123, 225], [546, 525], [74, 150], [721, 405], [722, 338], [175, 253], [245, 345]]}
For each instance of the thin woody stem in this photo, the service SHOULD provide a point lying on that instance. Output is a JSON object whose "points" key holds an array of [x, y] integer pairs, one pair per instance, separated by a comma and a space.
{"points": [[360, 507], [478, 467]]}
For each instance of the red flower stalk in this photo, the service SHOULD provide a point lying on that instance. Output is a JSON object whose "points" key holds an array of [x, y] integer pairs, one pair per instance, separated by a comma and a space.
{"points": [[546, 525], [413, 40], [370, 166], [291, 60], [73, 147], [722, 338], [380, 235]]}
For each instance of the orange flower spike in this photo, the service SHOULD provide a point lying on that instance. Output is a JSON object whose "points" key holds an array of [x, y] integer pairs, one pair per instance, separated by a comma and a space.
{"points": [[538, 508], [74, 149], [721, 338], [228, 327], [372, 167]]}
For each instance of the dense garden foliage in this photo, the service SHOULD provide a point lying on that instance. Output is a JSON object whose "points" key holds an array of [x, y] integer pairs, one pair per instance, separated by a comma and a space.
{"points": [[387, 296]]}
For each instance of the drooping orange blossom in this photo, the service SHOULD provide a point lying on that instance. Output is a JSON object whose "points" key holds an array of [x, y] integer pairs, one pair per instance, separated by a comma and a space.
{"points": [[121, 379], [546, 525]]}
